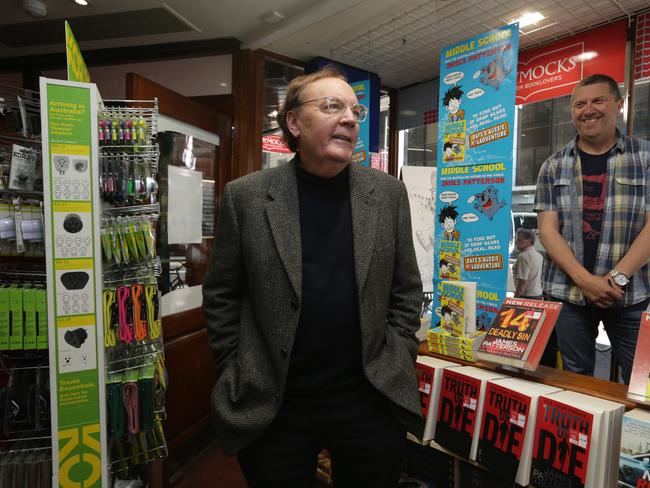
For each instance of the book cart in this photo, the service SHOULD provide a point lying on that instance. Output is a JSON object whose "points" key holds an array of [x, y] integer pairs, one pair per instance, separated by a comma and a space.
{"points": [[82, 374], [462, 472]]}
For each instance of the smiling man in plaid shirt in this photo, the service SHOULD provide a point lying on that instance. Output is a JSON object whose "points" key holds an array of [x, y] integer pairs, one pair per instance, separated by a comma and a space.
{"points": [[593, 204]]}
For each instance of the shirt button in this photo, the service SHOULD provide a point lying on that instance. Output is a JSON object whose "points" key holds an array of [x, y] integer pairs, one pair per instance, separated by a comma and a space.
{"points": [[284, 352]]}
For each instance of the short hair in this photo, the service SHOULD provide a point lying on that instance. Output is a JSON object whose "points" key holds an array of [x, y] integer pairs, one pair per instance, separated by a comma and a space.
{"points": [[443, 262], [292, 99], [447, 145], [453, 92], [445, 309], [448, 212], [527, 234], [600, 78]]}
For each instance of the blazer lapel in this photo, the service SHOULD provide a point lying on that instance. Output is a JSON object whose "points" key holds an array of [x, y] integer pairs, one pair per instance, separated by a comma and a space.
{"points": [[284, 219], [365, 218]]}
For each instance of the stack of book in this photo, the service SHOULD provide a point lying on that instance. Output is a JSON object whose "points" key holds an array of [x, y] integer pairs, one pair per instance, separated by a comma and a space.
{"points": [[462, 347], [574, 439]]}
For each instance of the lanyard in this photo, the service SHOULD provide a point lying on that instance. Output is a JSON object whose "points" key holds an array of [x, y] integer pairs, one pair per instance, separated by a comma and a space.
{"points": [[153, 319], [125, 312], [108, 300], [130, 400], [140, 325]]}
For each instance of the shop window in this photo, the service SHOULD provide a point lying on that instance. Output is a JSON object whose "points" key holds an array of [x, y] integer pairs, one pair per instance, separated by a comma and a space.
{"points": [[641, 110], [419, 145], [277, 76], [544, 128]]}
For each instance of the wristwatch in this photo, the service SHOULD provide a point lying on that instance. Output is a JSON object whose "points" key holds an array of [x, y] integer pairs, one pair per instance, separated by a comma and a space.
{"points": [[619, 278]]}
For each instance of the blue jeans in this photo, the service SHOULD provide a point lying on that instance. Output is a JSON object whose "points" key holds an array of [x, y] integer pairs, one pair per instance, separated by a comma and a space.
{"points": [[577, 329]]}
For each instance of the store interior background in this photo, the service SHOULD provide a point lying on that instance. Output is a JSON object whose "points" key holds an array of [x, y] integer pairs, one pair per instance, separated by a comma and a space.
{"points": [[220, 70]]}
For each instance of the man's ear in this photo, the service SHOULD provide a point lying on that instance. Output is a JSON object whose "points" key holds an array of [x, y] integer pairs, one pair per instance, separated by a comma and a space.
{"points": [[292, 124]]}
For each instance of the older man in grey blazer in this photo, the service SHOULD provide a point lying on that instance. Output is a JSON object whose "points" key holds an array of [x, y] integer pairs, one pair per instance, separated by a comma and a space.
{"points": [[311, 303]]}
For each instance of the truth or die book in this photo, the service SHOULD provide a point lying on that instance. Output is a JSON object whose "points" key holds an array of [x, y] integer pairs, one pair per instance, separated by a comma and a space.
{"points": [[634, 462], [575, 438], [507, 425], [429, 373], [460, 409]]}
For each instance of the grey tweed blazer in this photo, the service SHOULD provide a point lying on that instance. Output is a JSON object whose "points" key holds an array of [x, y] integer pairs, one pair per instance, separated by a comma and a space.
{"points": [[253, 290]]}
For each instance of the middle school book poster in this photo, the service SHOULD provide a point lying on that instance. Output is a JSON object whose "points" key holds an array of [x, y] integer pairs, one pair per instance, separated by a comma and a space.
{"points": [[474, 177]]}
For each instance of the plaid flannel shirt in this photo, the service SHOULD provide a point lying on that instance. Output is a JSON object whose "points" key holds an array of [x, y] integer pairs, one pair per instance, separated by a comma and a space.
{"points": [[559, 189]]}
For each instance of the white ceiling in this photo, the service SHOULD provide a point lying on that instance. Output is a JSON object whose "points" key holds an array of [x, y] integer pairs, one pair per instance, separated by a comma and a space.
{"points": [[399, 40]]}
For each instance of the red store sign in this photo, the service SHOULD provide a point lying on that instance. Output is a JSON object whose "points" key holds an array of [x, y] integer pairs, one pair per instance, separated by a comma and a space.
{"points": [[554, 69], [274, 144]]}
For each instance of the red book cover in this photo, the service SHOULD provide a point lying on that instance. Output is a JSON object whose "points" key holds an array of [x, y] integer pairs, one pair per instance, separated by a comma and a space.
{"points": [[425, 375], [561, 445], [503, 429], [640, 379], [457, 409], [520, 332]]}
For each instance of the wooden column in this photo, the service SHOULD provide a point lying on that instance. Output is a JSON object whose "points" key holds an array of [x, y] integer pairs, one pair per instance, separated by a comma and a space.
{"points": [[247, 85]]}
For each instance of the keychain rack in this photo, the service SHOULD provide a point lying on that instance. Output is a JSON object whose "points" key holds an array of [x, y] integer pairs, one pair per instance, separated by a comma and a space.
{"points": [[150, 209]]}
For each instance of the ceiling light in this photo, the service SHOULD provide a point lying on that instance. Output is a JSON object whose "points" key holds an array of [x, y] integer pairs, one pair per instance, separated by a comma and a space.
{"points": [[273, 17], [586, 56], [81, 2], [528, 19], [223, 84], [35, 8]]}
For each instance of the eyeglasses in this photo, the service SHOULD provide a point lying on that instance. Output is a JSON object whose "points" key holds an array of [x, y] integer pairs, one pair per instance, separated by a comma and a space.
{"points": [[336, 106]]}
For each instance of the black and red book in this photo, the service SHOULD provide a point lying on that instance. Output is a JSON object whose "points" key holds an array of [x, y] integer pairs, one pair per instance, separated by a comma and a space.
{"points": [[459, 409], [574, 441], [429, 373], [507, 426]]}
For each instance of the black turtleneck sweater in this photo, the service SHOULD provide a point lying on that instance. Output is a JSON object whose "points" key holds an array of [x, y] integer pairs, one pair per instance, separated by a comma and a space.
{"points": [[326, 355]]}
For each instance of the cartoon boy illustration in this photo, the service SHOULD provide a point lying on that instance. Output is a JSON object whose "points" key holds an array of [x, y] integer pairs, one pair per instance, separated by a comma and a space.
{"points": [[451, 101], [449, 318], [447, 217], [445, 272], [448, 149]]}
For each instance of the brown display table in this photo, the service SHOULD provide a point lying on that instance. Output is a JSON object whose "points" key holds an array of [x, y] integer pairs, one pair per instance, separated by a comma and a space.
{"points": [[596, 387]]}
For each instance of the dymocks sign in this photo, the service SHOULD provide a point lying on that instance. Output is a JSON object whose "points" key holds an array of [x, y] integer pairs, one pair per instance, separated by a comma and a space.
{"points": [[554, 70]]}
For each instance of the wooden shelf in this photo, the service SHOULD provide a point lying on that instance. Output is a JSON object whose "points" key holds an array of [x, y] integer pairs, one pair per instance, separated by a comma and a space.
{"points": [[588, 385]]}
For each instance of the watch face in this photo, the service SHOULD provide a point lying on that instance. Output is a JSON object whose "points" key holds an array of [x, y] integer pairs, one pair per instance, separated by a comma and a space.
{"points": [[620, 279]]}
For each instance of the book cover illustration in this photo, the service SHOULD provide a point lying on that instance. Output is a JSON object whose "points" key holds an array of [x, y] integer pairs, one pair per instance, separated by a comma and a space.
{"points": [[454, 136], [634, 462], [519, 333], [452, 308], [639, 388], [425, 375], [506, 416], [457, 411], [561, 445], [449, 263], [512, 332]]}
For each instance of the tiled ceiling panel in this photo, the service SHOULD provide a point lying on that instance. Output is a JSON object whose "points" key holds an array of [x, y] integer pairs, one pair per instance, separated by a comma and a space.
{"points": [[411, 42]]}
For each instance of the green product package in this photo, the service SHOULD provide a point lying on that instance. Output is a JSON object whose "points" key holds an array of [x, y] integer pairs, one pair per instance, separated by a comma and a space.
{"points": [[16, 318], [40, 305], [4, 319], [29, 307]]}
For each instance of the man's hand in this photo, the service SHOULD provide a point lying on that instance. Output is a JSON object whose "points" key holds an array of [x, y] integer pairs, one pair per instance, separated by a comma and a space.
{"points": [[600, 291]]}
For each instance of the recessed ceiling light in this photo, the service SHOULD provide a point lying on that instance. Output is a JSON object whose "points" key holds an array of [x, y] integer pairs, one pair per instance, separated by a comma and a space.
{"points": [[529, 18], [223, 84], [81, 2]]}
